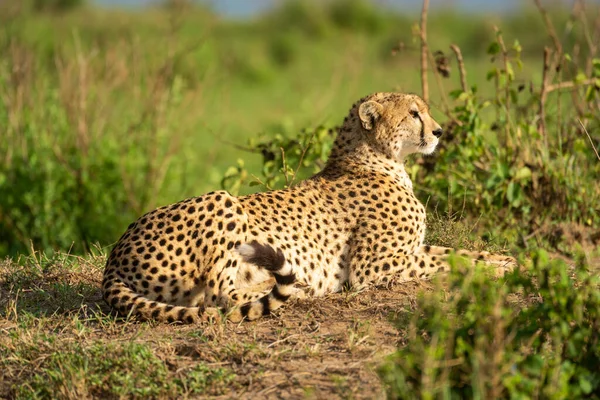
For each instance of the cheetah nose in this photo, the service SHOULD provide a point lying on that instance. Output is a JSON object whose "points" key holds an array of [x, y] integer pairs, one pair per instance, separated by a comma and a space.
{"points": [[438, 132]]}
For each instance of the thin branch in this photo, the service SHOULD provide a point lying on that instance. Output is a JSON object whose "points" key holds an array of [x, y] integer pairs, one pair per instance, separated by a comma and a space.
{"points": [[543, 94], [589, 137], [285, 167], [305, 148], [506, 83], [580, 12], [551, 32], [440, 85], [461, 67], [571, 84], [424, 51]]}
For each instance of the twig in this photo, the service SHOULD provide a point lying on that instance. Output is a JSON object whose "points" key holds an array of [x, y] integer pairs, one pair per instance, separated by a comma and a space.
{"points": [[305, 148], [424, 51], [506, 83], [543, 94], [285, 339], [235, 145], [589, 137], [440, 85], [570, 84], [461, 67], [285, 169], [580, 7], [551, 32]]}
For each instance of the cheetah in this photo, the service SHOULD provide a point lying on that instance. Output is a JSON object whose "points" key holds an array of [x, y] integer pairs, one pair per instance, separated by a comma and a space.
{"points": [[353, 224]]}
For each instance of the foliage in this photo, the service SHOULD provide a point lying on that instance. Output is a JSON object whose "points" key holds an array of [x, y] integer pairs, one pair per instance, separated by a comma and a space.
{"points": [[286, 159], [522, 157], [533, 334], [68, 178], [105, 114], [513, 161], [110, 370]]}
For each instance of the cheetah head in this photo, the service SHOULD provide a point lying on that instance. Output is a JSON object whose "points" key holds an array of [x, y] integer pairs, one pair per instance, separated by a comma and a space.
{"points": [[398, 124]]}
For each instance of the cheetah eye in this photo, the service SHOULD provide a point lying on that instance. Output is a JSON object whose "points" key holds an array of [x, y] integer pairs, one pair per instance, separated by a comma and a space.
{"points": [[415, 114]]}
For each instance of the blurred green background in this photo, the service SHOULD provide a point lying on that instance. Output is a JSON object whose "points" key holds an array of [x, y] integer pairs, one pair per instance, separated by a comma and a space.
{"points": [[107, 112]]}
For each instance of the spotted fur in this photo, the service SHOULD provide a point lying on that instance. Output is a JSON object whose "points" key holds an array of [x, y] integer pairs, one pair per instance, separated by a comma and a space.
{"points": [[355, 223]]}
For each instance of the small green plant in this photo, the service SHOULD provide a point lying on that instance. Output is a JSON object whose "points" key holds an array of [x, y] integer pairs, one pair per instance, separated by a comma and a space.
{"points": [[110, 370], [285, 159], [533, 334], [68, 179], [502, 155]]}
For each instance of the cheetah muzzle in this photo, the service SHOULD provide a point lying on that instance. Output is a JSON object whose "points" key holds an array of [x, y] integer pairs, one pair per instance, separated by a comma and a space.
{"points": [[355, 223]]}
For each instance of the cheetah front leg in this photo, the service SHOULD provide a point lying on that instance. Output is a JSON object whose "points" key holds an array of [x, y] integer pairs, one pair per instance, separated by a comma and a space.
{"points": [[502, 263], [421, 265], [399, 267]]}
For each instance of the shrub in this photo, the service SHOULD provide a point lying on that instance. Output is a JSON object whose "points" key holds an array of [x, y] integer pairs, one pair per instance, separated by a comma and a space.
{"points": [[522, 157], [67, 177], [534, 334]]}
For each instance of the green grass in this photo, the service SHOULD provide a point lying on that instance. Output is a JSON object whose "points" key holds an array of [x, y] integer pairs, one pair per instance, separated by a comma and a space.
{"points": [[108, 114], [136, 110], [102, 369]]}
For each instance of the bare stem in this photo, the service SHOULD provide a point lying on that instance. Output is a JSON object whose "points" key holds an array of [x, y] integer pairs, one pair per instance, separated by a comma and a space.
{"points": [[543, 94], [590, 138], [305, 148], [552, 33], [570, 84], [507, 80], [285, 167], [424, 51], [440, 85], [461, 67]]}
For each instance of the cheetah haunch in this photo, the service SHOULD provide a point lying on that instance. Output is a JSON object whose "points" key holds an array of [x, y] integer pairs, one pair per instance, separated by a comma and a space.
{"points": [[355, 223]]}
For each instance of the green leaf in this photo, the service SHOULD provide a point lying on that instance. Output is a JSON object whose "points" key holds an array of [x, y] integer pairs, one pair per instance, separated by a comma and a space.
{"points": [[517, 46], [494, 48], [456, 93], [523, 173], [585, 385], [580, 77]]}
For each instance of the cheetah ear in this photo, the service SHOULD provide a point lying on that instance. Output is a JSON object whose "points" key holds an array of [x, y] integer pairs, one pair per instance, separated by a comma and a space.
{"points": [[369, 112]]}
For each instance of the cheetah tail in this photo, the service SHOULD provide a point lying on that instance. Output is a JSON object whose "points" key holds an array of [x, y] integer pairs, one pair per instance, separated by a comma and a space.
{"points": [[129, 303], [266, 257]]}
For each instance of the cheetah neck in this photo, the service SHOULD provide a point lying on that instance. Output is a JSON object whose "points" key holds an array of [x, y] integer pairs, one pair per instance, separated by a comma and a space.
{"points": [[352, 156]]}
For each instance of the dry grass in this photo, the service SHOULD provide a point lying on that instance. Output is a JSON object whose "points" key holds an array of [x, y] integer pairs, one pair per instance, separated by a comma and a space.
{"points": [[59, 339]]}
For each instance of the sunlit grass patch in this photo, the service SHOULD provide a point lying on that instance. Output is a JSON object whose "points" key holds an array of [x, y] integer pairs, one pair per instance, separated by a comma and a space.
{"points": [[47, 367]]}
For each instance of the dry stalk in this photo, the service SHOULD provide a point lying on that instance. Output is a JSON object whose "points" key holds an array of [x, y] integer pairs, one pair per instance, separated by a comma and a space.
{"points": [[571, 84], [506, 84], [424, 51], [461, 67], [440, 85], [16, 97], [552, 33], [543, 95], [579, 12], [589, 138], [575, 97], [285, 167], [302, 156]]}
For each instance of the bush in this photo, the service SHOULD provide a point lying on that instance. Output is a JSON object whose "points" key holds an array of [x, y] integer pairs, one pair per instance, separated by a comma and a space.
{"points": [[534, 334], [68, 178], [517, 159]]}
